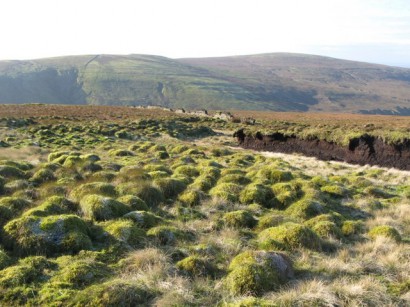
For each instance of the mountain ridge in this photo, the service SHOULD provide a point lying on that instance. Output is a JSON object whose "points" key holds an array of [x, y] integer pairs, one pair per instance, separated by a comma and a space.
{"points": [[272, 81]]}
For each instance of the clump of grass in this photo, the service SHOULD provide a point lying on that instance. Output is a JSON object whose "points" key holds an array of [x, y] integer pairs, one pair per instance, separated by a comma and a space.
{"points": [[385, 231], [100, 188], [124, 231], [144, 219], [54, 205], [239, 219], [196, 266], [254, 272], [226, 191], [259, 194], [47, 235], [100, 208], [289, 236], [26, 271], [134, 202], [116, 292]]}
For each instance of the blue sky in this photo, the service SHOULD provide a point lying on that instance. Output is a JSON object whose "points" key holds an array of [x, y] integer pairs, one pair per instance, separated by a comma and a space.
{"points": [[364, 30]]}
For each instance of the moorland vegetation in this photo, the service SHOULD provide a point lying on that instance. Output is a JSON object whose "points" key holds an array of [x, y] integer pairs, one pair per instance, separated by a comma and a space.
{"points": [[166, 212]]}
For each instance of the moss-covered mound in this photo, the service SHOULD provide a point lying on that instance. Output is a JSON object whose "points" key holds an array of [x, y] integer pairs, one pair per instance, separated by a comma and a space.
{"points": [[167, 234], [226, 191], [80, 272], [259, 194], [305, 208], [289, 236], [100, 208], [125, 231], [254, 272], [134, 202], [385, 231], [5, 259], [144, 219], [47, 235], [327, 229], [115, 292], [196, 266], [26, 271], [170, 187], [239, 219], [192, 197], [100, 188], [54, 205]]}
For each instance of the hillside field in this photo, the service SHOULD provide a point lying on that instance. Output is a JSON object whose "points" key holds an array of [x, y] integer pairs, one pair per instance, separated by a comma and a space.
{"points": [[121, 206], [270, 82]]}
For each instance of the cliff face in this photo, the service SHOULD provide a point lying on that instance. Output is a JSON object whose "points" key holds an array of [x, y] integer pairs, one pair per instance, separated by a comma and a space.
{"points": [[363, 150]]}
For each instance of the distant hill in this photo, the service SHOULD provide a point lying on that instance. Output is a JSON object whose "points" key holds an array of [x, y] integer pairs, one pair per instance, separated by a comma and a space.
{"points": [[277, 81]]}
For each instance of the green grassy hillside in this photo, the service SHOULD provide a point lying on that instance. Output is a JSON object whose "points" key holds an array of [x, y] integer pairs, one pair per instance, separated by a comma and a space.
{"points": [[279, 82]]}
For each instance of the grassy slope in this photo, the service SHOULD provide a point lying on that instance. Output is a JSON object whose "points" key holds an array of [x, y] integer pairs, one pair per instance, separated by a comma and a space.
{"points": [[280, 82], [335, 85]]}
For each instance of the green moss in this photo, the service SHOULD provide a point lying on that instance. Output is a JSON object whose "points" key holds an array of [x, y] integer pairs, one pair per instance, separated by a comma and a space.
{"points": [[377, 192], [78, 273], [148, 193], [327, 229], [235, 178], [170, 187], [192, 197], [11, 172], [305, 208], [158, 174], [226, 191], [100, 208], [179, 149], [157, 167], [254, 272], [287, 193], [351, 228], [100, 188], [204, 183], [196, 266], [113, 293], [133, 202], [270, 220], [5, 259], [288, 236], [47, 235], [274, 175], [385, 231], [334, 190], [42, 175], [186, 170], [55, 155], [6, 214], [15, 204], [72, 161], [90, 158], [333, 217], [250, 302], [120, 153], [125, 231], [144, 219], [28, 270], [166, 234], [104, 176], [257, 193], [15, 185], [54, 205], [239, 219]]}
